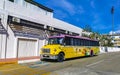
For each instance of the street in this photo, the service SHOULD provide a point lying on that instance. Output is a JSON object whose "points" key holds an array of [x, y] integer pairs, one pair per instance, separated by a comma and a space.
{"points": [[103, 64]]}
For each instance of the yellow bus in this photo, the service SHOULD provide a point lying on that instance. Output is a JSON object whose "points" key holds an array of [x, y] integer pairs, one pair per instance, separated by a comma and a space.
{"points": [[66, 46]]}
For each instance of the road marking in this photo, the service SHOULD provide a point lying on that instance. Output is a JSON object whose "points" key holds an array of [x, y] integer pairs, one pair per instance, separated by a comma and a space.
{"points": [[94, 63]]}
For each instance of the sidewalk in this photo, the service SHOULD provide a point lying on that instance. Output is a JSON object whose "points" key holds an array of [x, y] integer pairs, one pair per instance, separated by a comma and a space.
{"points": [[23, 69], [8, 61]]}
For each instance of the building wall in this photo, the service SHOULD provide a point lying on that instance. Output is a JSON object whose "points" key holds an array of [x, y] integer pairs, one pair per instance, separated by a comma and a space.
{"points": [[64, 25], [35, 16], [22, 5], [2, 46], [9, 43], [2, 4], [116, 39], [3, 16]]}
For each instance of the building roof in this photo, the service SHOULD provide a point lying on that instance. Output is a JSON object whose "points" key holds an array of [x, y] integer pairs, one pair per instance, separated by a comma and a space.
{"points": [[39, 5]]}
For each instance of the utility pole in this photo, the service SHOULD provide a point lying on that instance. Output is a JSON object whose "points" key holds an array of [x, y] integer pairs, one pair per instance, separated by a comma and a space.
{"points": [[112, 12]]}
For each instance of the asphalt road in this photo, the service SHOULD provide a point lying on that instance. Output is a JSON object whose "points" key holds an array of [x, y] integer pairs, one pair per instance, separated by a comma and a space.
{"points": [[103, 64]]}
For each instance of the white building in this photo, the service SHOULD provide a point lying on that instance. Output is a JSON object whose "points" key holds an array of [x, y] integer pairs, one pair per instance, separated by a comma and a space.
{"points": [[115, 38], [24, 26]]}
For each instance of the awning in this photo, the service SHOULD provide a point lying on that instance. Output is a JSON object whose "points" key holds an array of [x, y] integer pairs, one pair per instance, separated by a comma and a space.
{"points": [[26, 28], [25, 31]]}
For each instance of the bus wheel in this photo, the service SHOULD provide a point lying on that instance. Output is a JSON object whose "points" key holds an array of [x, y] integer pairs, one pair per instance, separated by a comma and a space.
{"points": [[60, 57], [91, 53]]}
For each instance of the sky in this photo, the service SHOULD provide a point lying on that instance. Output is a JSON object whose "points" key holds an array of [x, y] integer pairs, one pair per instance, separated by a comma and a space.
{"points": [[96, 13]]}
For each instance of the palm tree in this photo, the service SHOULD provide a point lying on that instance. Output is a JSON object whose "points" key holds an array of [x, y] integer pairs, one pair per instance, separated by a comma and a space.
{"points": [[105, 40]]}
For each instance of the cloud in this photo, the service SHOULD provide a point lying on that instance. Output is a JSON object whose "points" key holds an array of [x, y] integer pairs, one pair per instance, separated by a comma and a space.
{"points": [[68, 6], [118, 31], [92, 4], [80, 9], [65, 5], [96, 18], [71, 8]]}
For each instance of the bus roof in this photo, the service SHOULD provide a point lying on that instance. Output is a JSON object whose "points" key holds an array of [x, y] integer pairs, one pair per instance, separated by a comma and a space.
{"points": [[79, 37]]}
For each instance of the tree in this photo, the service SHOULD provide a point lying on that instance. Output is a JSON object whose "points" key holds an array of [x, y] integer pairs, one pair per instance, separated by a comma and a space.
{"points": [[87, 28], [105, 40]]}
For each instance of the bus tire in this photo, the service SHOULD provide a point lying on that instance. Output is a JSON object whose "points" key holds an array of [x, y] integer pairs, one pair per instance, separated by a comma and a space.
{"points": [[91, 53], [60, 57], [42, 59]]}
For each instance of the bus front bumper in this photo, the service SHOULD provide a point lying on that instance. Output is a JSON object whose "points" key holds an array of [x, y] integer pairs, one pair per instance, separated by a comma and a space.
{"points": [[47, 56]]}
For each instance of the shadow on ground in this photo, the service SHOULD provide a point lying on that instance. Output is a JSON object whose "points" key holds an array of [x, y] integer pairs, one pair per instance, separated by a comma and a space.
{"points": [[54, 61]]}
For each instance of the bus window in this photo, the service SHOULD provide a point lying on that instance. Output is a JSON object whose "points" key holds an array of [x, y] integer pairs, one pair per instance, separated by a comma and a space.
{"points": [[92, 43], [97, 43], [82, 42], [71, 41], [55, 41], [88, 43], [68, 41], [78, 40], [85, 42]]}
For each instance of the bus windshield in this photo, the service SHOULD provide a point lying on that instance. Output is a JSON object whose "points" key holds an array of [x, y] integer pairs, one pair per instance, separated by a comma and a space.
{"points": [[55, 41]]}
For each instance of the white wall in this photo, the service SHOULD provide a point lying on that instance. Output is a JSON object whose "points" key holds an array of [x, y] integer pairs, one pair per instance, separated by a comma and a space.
{"points": [[10, 51], [9, 43], [113, 49], [2, 45], [66, 26], [22, 12], [25, 8], [20, 2], [109, 49], [3, 16], [1, 4]]}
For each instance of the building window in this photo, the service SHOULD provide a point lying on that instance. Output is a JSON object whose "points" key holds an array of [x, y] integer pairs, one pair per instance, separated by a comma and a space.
{"points": [[11, 0]]}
